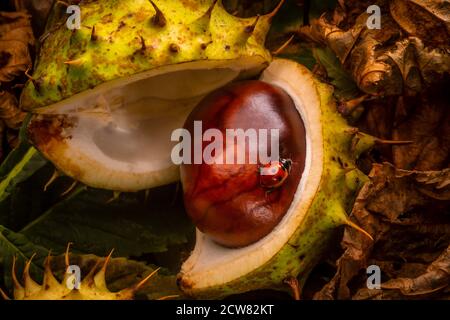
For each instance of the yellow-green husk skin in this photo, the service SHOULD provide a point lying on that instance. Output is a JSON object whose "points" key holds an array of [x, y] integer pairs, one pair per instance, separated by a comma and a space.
{"points": [[92, 287], [119, 38]]}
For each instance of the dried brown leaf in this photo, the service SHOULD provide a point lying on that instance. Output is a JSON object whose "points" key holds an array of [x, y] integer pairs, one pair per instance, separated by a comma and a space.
{"points": [[16, 37], [425, 121], [379, 117], [426, 19], [436, 277], [358, 49], [434, 63], [9, 110], [408, 231], [400, 57], [404, 57]]}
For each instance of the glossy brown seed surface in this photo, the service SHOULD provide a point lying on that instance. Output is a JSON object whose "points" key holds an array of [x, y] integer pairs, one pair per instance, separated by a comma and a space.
{"points": [[227, 201]]}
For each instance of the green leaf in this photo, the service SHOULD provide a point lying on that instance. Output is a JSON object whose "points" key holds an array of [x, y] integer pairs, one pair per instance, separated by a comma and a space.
{"points": [[345, 87], [16, 244], [28, 200], [22, 163], [291, 15], [23, 137], [95, 223], [288, 19], [301, 54], [18, 195], [22, 177]]}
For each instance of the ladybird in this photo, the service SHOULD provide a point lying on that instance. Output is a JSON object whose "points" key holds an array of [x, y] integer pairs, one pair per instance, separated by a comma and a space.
{"points": [[273, 174]]}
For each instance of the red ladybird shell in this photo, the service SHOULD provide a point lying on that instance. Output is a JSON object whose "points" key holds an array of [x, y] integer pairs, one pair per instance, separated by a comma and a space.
{"points": [[274, 174]]}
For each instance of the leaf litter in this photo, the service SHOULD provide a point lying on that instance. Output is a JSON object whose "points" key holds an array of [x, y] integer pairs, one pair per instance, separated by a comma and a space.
{"points": [[408, 215]]}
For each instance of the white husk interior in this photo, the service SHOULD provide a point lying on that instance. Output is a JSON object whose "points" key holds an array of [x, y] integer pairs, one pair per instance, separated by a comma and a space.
{"points": [[211, 264], [121, 139]]}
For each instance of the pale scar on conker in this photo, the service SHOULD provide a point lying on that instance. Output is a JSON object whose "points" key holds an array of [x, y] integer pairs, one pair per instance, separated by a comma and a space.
{"points": [[227, 201]]}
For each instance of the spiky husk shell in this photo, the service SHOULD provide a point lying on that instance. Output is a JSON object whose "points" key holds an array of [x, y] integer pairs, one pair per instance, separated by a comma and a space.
{"points": [[339, 181], [122, 38], [92, 287]]}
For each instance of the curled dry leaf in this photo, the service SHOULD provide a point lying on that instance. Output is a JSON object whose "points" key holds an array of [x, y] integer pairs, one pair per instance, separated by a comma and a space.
{"points": [[433, 279], [16, 37], [426, 19], [9, 110], [395, 59], [436, 277], [407, 213], [425, 120]]}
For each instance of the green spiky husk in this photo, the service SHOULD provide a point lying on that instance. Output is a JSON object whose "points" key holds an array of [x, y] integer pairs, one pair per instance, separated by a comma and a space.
{"points": [[121, 38], [335, 196], [92, 287]]}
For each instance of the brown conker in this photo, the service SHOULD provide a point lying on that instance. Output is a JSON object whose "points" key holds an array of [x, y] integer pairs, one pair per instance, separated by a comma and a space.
{"points": [[227, 201]]}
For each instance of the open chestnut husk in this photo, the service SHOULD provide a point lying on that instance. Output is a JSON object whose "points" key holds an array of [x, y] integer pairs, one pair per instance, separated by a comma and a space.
{"points": [[238, 203]]}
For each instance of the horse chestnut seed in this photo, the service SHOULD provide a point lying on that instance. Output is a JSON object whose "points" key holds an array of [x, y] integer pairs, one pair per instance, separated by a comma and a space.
{"points": [[229, 200]]}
